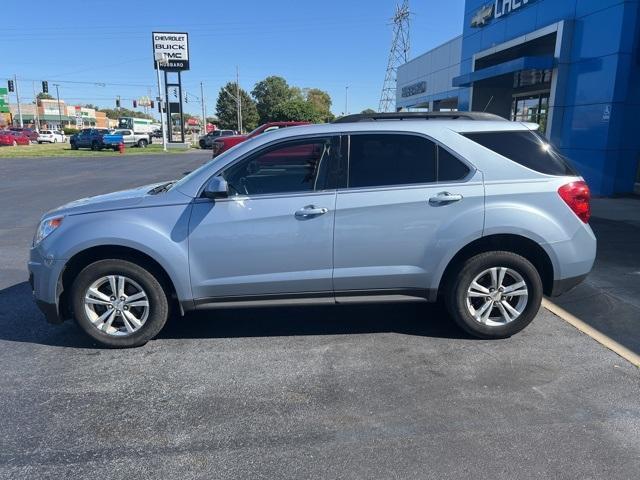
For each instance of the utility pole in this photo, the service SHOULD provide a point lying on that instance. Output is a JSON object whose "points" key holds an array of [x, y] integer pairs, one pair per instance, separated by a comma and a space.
{"points": [[35, 110], [161, 58], [346, 100], [398, 55], [204, 112], [238, 99], [59, 107], [15, 80]]}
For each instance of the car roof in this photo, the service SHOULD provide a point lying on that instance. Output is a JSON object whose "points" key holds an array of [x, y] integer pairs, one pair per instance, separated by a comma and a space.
{"points": [[417, 126]]}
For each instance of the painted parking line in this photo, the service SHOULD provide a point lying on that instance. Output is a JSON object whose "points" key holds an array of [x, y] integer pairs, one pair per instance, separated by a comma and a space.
{"points": [[599, 337]]}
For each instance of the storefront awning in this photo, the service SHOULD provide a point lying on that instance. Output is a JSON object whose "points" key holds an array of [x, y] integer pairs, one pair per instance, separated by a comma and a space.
{"points": [[523, 63]]}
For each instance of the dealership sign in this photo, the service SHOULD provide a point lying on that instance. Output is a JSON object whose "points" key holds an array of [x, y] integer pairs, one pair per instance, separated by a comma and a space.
{"points": [[413, 89], [496, 10], [174, 48]]}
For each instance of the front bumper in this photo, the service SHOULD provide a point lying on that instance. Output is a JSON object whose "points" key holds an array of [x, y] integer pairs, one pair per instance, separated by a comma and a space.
{"points": [[45, 280]]}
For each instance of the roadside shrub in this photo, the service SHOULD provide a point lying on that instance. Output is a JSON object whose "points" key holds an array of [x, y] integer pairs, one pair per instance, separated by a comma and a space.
{"points": [[70, 131]]}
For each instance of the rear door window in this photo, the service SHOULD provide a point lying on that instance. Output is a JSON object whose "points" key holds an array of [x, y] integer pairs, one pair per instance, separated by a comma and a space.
{"points": [[378, 160], [526, 148], [450, 168]]}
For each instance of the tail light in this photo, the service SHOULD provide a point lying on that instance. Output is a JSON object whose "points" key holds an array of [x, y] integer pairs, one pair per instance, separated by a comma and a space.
{"points": [[578, 197]]}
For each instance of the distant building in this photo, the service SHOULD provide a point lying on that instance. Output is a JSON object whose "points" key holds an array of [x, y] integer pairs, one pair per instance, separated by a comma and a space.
{"points": [[51, 115], [571, 66]]}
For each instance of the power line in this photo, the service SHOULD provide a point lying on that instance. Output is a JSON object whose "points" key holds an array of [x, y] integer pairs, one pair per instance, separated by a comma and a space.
{"points": [[398, 55]]}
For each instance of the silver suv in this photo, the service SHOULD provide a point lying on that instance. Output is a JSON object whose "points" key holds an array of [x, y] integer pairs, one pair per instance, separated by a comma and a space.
{"points": [[464, 207]]}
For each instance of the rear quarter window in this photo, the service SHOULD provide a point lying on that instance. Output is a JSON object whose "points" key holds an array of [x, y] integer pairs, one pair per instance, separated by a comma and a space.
{"points": [[525, 148]]}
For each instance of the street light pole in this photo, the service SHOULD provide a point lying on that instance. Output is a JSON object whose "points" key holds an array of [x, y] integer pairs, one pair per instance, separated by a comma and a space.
{"points": [[161, 58], [35, 109], [15, 81], [59, 107], [346, 100], [204, 113], [239, 100]]}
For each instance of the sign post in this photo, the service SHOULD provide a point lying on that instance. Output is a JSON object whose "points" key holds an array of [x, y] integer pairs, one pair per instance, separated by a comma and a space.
{"points": [[171, 54]]}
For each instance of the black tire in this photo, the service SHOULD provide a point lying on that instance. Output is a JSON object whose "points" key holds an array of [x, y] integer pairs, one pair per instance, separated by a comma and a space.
{"points": [[142, 143], [455, 295], [74, 146], [158, 303]]}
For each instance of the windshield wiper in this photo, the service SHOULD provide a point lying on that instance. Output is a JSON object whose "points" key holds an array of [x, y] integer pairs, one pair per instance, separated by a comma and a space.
{"points": [[161, 188]]}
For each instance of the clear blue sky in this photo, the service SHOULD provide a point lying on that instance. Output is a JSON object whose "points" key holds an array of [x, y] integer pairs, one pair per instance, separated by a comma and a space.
{"points": [[326, 44]]}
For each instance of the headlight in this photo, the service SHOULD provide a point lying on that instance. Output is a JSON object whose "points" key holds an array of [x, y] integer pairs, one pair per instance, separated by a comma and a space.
{"points": [[45, 228]]}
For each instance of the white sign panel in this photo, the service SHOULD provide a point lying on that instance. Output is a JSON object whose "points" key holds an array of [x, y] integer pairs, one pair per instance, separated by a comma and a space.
{"points": [[174, 48]]}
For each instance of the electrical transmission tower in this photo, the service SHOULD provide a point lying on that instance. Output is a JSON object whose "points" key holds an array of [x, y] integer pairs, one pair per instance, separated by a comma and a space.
{"points": [[398, 55]]}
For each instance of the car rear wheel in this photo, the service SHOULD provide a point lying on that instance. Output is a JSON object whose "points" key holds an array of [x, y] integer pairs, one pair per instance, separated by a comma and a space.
{"points": [[142, 143], [494, 294], [119, 303]]}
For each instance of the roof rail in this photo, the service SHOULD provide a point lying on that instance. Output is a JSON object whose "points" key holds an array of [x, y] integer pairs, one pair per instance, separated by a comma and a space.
{"points": [[373, 117]]}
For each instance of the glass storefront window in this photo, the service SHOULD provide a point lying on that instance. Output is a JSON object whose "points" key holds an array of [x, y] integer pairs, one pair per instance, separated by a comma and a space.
{"points": [[531, 108]]}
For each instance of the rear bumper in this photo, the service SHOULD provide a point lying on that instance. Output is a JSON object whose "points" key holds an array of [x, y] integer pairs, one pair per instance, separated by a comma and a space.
{"points": [[566, 284]]}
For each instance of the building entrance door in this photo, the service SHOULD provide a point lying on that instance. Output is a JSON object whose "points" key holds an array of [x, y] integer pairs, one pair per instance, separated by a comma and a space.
{"points": [[531, 108]]}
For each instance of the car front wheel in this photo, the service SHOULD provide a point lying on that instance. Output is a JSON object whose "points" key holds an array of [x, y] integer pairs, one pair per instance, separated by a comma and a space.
{"points": [[119, 303], [494, 294]]}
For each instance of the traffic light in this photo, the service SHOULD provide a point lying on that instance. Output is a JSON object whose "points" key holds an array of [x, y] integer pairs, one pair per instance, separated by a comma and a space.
{"points": [[118, 102], [45, 87], [135, 104], [152, 105], [10, 86]]}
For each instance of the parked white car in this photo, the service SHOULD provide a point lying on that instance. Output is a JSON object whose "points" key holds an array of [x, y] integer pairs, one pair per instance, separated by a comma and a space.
{"points": [[51, 136]]}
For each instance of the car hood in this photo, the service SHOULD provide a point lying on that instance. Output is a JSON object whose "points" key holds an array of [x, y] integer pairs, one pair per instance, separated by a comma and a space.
{"points": [[133, 198]]}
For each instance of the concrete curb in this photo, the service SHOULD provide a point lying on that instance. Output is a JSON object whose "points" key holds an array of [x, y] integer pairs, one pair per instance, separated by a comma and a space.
{"points": [[599, 337]]}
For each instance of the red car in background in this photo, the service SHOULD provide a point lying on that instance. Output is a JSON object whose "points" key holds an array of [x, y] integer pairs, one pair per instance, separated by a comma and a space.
{"points": [[30, 133], [12, 138], [223, 144]]}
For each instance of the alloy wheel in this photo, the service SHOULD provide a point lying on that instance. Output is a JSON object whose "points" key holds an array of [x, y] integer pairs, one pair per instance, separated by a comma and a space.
{"points": [[116, 305], [497, 296]]}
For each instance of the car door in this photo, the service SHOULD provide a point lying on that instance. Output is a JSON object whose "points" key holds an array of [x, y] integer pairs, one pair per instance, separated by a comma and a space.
{"points": [[273, 235], [395, 220]]}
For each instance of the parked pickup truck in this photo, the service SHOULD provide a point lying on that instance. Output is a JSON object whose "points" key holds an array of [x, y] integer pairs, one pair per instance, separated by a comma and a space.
{"points": [[128, 137], [89, 138], [222, 144]]}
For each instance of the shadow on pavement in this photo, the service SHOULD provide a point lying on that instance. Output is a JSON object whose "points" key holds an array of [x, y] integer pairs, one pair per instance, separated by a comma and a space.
{"points": [[21, 321], [609, 299]]}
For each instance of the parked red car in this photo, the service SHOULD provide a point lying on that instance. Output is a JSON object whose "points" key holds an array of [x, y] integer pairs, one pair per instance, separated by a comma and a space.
{"points": [[223, 144], [11, 138], [30, 133]]}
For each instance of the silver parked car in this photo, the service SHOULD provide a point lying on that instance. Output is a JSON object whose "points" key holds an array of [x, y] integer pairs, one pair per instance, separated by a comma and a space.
{"points": [[464, 207]]}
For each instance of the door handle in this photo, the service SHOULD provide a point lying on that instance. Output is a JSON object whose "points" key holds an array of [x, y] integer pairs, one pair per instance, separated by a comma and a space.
{"points": [[445, 198], [311, 211]]}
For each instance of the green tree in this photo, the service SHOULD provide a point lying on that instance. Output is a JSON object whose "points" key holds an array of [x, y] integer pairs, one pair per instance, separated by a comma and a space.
{"points": [[226, 108], [299, 110], [320, 99], [271, 92], [91, 105], [368, 111], [44, 96]]}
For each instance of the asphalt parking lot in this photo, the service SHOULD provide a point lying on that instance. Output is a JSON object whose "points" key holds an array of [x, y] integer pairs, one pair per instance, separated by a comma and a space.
{"points": [[392, 391]]}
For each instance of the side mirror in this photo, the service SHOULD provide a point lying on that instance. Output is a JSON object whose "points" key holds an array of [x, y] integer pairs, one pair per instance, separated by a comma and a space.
{"points": [[216, 188]]}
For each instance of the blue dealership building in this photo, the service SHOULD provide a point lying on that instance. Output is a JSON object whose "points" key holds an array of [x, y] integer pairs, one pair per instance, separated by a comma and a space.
{"points": [[573, 66]]}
